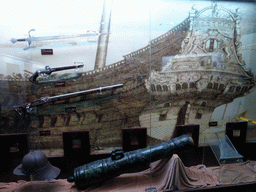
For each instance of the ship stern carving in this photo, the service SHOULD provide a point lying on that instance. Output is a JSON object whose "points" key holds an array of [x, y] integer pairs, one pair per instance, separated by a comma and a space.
{"points": [[208, 72]]}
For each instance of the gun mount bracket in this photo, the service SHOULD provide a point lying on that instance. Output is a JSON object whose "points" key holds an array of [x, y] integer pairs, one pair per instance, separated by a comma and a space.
{"points": [[117, 154], [151, 189]]}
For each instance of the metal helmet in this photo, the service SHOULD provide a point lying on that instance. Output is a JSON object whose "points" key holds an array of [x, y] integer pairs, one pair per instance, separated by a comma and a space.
{"points": [[37, 165]]}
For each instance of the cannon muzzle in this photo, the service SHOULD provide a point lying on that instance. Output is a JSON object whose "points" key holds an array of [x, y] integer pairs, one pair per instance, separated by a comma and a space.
{"points": [[121, 162]]}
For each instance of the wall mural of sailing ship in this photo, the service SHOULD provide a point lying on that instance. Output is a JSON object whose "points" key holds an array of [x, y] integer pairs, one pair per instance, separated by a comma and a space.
{"points": [[203, 69]]}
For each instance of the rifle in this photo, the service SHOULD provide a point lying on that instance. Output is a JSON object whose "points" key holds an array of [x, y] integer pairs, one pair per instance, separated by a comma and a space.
{"points": [[20, 109], [47, 70]]}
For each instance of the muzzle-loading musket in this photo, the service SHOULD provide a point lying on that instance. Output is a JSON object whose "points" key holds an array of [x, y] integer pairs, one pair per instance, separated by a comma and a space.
{"points": [[27, 107]]}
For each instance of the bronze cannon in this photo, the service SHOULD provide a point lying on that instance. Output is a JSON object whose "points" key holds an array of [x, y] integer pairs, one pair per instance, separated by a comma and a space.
{"points": [[121, 162]]}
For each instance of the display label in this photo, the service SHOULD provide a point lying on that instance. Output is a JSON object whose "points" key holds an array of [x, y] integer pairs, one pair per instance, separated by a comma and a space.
{"points": [[46, 52], [60, 84], [213, 124], [45, 133], [70, 109]]}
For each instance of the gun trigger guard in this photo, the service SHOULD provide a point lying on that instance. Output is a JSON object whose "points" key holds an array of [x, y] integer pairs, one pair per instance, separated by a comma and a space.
{"points": [[117, 154]]}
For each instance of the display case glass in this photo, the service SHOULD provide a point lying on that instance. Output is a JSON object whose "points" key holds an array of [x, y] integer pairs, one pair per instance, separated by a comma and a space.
{"points": [[104, 66], [226, 158]]}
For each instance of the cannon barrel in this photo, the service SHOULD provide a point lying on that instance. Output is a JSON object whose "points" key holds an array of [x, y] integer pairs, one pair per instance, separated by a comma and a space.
{"points": [[121, 162]]}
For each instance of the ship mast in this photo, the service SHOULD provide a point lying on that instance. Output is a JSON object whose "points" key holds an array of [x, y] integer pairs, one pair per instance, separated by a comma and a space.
{"points": [[102, 49]]}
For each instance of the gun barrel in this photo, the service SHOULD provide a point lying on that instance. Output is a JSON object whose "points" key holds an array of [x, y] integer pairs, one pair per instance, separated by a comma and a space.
{"points": [[66, 68], [76, 94], [104, 169]]}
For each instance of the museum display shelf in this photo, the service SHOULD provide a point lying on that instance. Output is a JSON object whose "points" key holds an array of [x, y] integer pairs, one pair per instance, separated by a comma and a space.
{"points": [[224, 152]]}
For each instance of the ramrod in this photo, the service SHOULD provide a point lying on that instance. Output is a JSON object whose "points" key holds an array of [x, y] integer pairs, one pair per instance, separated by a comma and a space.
{"points": [[121, 162]]}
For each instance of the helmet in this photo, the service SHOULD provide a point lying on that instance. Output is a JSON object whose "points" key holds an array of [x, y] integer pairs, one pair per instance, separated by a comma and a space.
{"points": [[37, 165]]}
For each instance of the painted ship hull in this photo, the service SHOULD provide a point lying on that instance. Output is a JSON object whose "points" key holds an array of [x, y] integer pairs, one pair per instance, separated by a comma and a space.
{"points": [[153, 95]]}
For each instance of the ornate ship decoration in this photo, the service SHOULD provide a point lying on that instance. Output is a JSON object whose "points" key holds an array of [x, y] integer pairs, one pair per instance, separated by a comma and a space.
{"points": [[204, 70], [208, 72]]}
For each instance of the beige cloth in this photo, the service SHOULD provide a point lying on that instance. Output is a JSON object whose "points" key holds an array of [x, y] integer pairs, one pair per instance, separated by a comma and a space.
{"points": [[38, 186], [166, 174], [163, 174], [236, 173]]}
